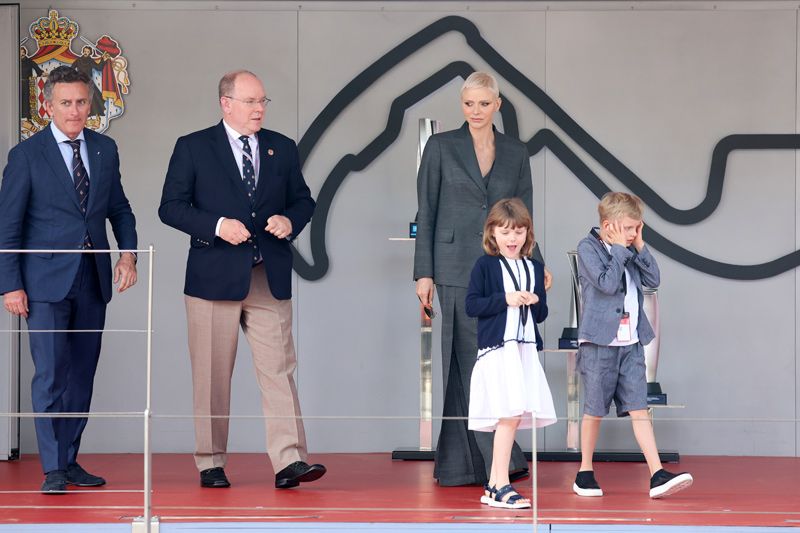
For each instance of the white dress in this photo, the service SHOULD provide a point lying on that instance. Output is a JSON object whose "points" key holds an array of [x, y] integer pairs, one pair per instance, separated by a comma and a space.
{"points": [[509, 381]]}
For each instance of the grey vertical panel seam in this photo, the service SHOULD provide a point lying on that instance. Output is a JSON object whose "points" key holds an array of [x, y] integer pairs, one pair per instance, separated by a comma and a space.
{"points": [[297, 136], [544, 187], [796, 301]]}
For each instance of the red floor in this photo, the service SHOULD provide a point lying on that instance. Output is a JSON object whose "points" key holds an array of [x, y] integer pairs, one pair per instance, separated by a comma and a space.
{"points": [[742, 491]]}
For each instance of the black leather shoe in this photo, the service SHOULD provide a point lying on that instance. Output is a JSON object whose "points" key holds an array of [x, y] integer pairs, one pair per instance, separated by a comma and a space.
{"points": [[296, 473], [214, 478], [55, 482], [79, 477]]}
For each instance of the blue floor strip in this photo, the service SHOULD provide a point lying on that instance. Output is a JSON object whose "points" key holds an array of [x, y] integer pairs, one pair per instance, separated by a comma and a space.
{"points": [[306, 527]]}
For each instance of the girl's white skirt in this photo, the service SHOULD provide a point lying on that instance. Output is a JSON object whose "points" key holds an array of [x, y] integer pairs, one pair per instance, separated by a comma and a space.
{"points": [[509, 382]]}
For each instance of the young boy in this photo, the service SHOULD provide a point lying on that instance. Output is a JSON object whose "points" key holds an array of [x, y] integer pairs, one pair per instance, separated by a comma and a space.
{"points": [[613, 264]]}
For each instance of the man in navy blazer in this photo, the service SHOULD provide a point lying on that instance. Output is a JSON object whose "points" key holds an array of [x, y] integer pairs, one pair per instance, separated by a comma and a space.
{"points": [[59, 188], [237, 191]]}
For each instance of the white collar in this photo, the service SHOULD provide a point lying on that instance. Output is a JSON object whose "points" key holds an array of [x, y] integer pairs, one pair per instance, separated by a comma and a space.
{"points": [[233, 134], [61, 137]]}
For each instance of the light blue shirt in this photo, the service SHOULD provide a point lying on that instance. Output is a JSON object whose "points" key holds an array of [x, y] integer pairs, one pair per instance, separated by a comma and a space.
{"points": [[66, 149]]}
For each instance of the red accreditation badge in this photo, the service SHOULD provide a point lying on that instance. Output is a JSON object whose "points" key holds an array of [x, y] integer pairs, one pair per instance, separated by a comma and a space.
{"points": [[624, 330]]}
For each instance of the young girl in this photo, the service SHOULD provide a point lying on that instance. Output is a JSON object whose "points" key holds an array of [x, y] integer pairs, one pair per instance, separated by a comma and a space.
{"points": [[506, 294]]}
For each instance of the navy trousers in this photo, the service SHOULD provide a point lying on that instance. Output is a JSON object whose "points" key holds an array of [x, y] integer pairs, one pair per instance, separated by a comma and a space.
{"points": [[65, 364]]}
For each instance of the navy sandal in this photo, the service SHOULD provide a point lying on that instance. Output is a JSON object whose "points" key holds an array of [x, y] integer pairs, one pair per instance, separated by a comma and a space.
{"points": [[488, 494], [514, 500]]}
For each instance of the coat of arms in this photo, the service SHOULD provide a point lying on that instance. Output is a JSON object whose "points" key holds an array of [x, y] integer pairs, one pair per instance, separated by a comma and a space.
{"points": [[102, 61]]}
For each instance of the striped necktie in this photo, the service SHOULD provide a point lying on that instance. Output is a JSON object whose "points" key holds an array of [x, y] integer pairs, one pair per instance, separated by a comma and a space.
{"points": [[248, 171], [249, 178], [81, 180]]}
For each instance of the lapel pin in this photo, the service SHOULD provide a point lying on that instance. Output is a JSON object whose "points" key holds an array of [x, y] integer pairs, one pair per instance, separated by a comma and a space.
{"points": [[270, 151]]}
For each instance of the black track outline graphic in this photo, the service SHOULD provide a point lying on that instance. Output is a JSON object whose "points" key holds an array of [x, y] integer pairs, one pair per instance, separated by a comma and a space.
{"points": [[544, 138]]}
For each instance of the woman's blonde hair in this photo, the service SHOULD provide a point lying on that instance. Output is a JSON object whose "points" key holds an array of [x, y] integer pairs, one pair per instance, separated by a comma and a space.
{"points": [[481, 80], [508, 212], [615, 205]]}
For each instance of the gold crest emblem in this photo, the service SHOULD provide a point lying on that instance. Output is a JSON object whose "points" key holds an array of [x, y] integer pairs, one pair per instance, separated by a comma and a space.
{"points": [[102, 61]]}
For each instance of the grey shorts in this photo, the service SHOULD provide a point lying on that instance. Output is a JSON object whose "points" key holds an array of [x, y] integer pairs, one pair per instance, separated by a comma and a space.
{"points": [[612, 373]]}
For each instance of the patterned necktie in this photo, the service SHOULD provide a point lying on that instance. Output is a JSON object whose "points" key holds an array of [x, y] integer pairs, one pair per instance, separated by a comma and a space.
{"points": [[81, 180], [248, 171], [249, 178], [79, 176]]}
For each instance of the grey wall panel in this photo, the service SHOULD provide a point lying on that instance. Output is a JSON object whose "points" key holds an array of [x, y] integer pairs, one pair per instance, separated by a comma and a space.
{"points": [[797, 245], [657, 88], [373, 344], [660, 105], [9, 136], [169, 99]]}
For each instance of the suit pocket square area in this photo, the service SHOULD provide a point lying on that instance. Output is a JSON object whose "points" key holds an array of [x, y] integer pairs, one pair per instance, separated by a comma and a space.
{"points": [[444, 235]]}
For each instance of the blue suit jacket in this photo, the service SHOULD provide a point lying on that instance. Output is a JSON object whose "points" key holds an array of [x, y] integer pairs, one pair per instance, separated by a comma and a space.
{"points": [[203, 183], [39, 209], [486, 300], [602, 292]]}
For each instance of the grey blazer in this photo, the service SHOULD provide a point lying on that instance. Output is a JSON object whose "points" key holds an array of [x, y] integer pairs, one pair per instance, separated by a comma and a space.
{"points": [[602, 292], [454, 202]]}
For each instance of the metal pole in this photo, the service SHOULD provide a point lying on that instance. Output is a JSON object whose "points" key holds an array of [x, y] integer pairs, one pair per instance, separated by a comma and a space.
{"points": [[535, 476], [148, 467]]}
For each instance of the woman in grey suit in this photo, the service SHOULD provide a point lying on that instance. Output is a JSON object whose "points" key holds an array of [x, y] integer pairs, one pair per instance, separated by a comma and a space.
{"points": [[462, 174]]}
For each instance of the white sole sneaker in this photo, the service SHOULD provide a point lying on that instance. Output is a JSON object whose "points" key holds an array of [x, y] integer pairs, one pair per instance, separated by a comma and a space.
{"points": [[586, 492], [672, 486]]}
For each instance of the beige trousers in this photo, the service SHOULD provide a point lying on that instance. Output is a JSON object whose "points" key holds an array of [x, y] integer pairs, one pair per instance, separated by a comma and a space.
{"points": [[213, 340]]}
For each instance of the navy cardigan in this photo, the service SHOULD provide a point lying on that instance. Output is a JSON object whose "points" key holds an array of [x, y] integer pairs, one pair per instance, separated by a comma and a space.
{"points": [[486, 300]]}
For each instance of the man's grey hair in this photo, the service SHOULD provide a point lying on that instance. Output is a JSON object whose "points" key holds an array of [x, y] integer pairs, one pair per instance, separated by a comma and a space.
{"points": [[65, 74], [227, 81]]}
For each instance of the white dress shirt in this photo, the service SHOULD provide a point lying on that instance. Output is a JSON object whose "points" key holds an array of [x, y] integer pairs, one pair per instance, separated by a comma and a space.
{"points": [[237, 147], [66, 149]]}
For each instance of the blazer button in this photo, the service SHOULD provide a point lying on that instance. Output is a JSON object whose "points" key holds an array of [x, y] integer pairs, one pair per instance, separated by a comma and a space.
{"points": [[253, 215], [619, 310]]}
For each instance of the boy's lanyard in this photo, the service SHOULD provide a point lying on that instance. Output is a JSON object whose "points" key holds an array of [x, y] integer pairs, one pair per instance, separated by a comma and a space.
{"points": [[523, 308], [624, 274]]}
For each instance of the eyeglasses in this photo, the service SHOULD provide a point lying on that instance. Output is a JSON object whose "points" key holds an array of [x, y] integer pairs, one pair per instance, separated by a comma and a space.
{"points": [[251, 102], [429, 312]]}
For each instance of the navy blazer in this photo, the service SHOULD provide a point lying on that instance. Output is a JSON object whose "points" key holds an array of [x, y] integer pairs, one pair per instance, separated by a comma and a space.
{"points": [[486, 300], [203, 183], [39, 209], [602, 292]]}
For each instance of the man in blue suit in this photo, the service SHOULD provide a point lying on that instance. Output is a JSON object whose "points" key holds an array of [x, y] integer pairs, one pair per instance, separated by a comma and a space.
{"points": [[237, 191], [59, 188]]}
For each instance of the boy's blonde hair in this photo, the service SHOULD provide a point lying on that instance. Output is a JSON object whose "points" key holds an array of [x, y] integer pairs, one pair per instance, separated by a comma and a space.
{"points": [[508, 212], [615, 205], [481, 80]]}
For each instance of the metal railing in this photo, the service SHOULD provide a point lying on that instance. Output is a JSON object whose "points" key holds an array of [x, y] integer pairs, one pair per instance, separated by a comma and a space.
{"points": [[147, 416], [147, 507]]}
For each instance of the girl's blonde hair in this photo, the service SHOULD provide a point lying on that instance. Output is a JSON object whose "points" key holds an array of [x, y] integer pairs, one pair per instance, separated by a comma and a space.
{"points": [[508, 212], [615, 205], [481, 80]]}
